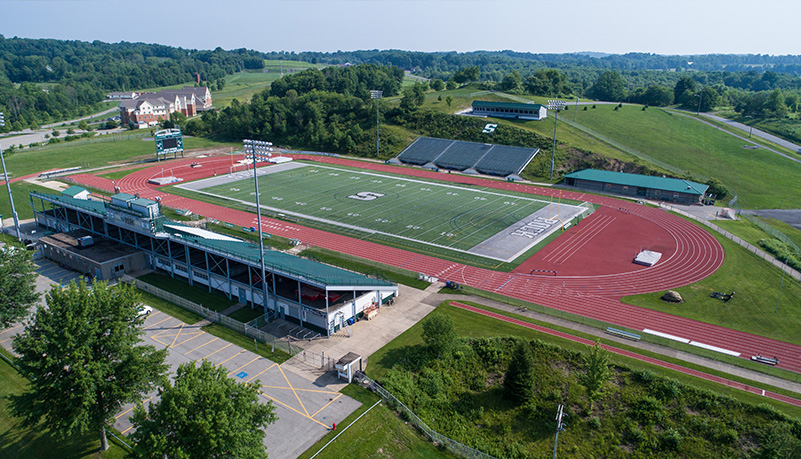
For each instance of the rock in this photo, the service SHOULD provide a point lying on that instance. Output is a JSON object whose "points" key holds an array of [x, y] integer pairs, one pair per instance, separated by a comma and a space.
{"points": [[672, 296]]}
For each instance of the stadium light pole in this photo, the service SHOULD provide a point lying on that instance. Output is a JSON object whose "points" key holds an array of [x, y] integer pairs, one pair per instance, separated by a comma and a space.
{"points": [[255, 148], [8, 185], [377, 95], [560, 426], [555, 105]]}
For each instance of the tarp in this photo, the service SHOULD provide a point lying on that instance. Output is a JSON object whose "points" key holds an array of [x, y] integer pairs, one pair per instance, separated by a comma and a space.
{"points": [[647, 258]]}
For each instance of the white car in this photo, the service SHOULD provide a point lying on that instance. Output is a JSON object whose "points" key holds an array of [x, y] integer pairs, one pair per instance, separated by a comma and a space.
{"points": [[144, 310]]}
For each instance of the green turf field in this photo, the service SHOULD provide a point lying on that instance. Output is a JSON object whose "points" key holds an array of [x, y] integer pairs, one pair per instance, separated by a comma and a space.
{"points": [[451, 216]]}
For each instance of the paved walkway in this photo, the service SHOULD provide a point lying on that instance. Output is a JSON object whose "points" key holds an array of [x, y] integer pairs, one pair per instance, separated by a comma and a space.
{"points": [[753, 131]]}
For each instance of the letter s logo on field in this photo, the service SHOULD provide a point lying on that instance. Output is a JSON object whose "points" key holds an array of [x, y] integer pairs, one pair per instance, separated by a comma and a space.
{"points": [[366, 195]]}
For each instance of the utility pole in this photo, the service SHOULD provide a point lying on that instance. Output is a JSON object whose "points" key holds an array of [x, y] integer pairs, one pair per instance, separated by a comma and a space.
{"points": [[8, 185], [576, 112], [560, 426], [700, 97], [377, 95], [556, 106]]}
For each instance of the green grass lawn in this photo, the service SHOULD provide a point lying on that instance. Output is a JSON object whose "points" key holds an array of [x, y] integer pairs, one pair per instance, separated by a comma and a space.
{"points": [[195, 293], [245, 314], [22, 202], [470, 324], [38, 442], [378, 434], [759, 177], [751, 310]]}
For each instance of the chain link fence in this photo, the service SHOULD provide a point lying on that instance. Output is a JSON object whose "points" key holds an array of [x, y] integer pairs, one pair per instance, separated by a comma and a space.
{"points": [[460, 449], [766, 227], [216, 317], [320, 361]]}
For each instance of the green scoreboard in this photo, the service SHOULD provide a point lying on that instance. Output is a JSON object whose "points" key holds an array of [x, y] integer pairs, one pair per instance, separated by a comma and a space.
{"points": [[169, 142]]}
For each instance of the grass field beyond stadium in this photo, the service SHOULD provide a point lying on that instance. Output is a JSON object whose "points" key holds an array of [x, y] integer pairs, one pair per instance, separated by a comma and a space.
{"points": [[450, 216]]}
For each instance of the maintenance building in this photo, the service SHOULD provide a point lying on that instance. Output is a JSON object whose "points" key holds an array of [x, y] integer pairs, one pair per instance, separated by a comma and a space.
{"points": [[636, 185]]}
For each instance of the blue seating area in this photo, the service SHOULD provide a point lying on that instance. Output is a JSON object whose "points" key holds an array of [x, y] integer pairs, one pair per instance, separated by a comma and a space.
{"points": [[503, 160], [462, 155], [424, 150], [471, 157]]}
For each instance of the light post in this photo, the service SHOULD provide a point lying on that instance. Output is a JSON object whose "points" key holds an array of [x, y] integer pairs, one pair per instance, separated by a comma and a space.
{"points": [[576, 112], [784, 270], [700, 98], [560, 426], [556, 106], [258, 148], [377, 95], [8, 185]]}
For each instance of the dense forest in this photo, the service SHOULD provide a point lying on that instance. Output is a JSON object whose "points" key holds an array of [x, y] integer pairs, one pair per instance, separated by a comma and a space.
{"points": [[49, 80]]}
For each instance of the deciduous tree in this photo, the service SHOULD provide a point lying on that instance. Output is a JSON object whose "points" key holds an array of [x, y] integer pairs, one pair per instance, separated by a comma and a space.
{"points": [[83, 354], [597, 374], [17, 284], [439, 333], [203, 414], [609, 86]]}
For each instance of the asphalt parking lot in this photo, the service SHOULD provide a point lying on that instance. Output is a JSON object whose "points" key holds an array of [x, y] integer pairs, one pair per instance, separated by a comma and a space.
{"points": [[305, 411]]}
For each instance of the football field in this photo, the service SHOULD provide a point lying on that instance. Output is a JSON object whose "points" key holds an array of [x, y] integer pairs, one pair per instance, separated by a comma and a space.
{"points": [[445, 215]]}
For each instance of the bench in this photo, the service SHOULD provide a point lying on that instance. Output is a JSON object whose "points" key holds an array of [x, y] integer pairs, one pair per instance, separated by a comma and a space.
{"points": [[766, 360], [623, 334]]}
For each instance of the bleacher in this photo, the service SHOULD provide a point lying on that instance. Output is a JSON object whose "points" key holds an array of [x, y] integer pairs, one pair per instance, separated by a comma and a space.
{"points": [[424, 150], [462, 155], [471, 157], [503, 160]]}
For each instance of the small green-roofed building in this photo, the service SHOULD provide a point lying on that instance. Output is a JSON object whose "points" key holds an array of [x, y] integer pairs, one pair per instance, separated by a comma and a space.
{"points": [[636, 185], [510, 110]]}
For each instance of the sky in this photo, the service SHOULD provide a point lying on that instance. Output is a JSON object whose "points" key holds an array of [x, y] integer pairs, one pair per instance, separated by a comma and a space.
{"points": [[554, 26]]}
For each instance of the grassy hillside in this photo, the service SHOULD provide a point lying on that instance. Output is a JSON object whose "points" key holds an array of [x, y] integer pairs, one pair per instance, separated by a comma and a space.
{"points": [[642, 413]]}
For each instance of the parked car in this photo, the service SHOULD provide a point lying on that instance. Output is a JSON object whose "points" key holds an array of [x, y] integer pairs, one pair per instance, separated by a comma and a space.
{"points": [[144, 310]]}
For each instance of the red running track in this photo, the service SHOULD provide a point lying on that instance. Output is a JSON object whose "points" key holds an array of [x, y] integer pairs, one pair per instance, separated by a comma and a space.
{"points": [[625, 353], [593, 259]]}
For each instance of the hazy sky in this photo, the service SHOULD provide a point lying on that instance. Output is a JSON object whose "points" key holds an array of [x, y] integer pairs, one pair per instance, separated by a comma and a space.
{"points": [[612, 26]]}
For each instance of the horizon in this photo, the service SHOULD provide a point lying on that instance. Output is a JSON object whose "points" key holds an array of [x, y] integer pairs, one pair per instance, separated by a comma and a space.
{"points": [[675, 28]]}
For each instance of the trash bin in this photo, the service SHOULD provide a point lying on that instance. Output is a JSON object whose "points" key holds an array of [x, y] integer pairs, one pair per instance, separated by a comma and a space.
{"points": [[350, 321]]}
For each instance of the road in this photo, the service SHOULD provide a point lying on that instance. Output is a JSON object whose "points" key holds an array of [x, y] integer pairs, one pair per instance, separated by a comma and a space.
{"points": [[29, 136], [756, 132]]}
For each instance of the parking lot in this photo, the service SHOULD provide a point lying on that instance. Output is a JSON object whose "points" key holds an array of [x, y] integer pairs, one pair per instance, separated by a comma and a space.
{"points": [[305, 411]]}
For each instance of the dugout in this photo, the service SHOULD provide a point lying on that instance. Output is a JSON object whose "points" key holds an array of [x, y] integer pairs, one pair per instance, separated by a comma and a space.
{"points": [[638, 186]]}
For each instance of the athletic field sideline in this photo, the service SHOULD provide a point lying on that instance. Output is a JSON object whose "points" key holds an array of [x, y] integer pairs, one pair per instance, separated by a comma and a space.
{"points": [[482, 222]]}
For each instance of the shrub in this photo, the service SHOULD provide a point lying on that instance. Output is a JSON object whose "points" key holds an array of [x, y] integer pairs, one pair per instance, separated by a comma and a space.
{"points": [[594, 422], [489, 350], [670, 439], [439, 333]]}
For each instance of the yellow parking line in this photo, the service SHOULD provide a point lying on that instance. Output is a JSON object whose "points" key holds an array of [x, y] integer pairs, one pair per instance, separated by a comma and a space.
{"points": [[326, 405], [9, 339], [243, 366], [229, 358], [126, 430], [258, 374], [160, 341], [218, 350], [207, 342], [199, 333], [11, 329], [168, 318], [293, 390], [296, 411], [302, 390], [179, 334], [131, 409]]}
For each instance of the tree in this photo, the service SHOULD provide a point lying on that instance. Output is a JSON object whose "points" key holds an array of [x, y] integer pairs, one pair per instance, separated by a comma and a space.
{"points": [[17, 284], [511, 82], [466, 75], [83, 355], [775, 105], [449, 100], [709, 98], [413, 97], [437, 84], [439, 333], [203, 414], [685, 83], [609, 86], [518, 384], [791, 101], [598, 372]]}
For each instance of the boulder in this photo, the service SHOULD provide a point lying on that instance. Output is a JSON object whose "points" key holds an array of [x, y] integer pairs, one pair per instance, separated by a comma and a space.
{"points": [[672, 296]]}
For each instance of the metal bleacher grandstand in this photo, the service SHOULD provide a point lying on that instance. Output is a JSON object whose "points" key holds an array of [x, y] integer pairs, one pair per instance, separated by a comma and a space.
{"points": [[470, 157]]}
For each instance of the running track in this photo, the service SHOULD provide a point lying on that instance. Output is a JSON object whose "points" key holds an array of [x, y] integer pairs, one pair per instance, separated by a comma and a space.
{"points": [[625, 353], [592, 286]]}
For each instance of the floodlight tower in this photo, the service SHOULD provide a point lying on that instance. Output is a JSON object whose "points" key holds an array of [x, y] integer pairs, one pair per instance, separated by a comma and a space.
{"points": [[257, 149], [556, 106], [560, 426], [8, 185], [377, 95]]}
